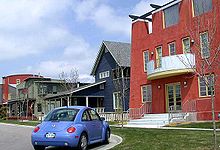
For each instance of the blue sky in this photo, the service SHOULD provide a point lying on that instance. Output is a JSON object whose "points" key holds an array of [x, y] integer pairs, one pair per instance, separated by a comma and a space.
{"points": [[50, 36]]}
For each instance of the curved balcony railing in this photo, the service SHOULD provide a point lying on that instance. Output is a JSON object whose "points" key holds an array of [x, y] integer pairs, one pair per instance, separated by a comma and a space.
{"points": [[171, 66]]}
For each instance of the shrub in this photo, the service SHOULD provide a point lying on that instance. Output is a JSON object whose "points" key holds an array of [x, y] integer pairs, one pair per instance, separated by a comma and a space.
{"points": [[3, 112]]}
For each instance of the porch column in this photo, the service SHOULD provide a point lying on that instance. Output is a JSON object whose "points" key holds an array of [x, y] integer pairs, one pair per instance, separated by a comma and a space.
{"points": [[68, 101], [87, 101], [55, 103], [61, 102], [9, 109], [50, 104], [27, 110]]}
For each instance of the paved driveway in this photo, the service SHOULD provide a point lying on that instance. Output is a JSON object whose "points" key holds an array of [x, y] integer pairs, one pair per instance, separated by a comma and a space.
{"points": [[15, 137]]}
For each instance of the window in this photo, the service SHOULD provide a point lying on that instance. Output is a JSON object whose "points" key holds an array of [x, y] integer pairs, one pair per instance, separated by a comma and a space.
{"points": [[172, 48], [186, 45], [159, 57], [204, 44], [101, 86], [18, 81], [146, 59], [201, 6], [171, 15], [39, 108], [85, 116], [204, 85], [54, 89], [117, 100], [103, 75], [146, 93], [93, 115]]}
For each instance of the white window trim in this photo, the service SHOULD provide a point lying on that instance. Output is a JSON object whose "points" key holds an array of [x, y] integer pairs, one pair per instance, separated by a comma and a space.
{"points": [[207, 91], [183, 46], [170, 49], [144, 60], [104, 74], [142, 96]]}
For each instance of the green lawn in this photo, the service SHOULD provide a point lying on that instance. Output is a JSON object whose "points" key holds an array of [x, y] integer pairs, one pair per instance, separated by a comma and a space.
{"points": [[158, 139], [29, 123]]}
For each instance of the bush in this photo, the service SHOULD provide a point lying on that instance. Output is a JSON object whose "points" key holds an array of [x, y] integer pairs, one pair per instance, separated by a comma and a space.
{"points": [[3, 112]]}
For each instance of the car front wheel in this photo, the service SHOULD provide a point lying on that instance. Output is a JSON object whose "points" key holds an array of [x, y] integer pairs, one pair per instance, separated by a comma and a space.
{"points": [[38, 147], [83, 142], [107, 136]]}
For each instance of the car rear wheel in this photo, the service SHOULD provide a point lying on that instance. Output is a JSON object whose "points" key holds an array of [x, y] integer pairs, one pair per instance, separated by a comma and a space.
{"points": [[38, 147], [107, 136], [83, 142]]}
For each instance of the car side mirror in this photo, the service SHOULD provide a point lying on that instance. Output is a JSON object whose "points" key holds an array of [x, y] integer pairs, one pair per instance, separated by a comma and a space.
{"points": [[102, 118]]}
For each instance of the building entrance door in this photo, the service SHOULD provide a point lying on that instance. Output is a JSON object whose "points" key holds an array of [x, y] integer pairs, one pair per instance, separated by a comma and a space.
{"points": [[173, 97]]}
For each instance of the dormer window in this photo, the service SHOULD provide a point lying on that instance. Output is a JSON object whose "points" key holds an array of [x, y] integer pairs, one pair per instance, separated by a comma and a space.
{"points": [[171, 15]]}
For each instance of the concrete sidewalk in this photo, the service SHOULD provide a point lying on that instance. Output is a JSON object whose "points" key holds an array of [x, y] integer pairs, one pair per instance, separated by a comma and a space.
{"points": [[165, 128]]}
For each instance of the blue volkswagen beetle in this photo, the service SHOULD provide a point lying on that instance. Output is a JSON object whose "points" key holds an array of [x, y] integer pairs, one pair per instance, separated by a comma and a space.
{"points": [[73, 126]]}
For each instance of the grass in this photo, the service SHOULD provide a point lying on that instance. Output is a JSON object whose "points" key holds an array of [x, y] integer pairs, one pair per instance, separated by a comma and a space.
{"points": [[158, 139], [28, 123]]}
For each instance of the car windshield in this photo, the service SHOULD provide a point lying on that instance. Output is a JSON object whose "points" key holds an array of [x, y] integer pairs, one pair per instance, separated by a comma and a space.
{"points": [[66, 114]]}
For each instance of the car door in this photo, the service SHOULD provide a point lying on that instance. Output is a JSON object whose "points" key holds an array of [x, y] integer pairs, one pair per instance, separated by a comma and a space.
{"points": [[87, 122], [96, 123]]}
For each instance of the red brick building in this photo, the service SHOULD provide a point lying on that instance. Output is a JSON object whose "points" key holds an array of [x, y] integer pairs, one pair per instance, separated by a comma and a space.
{"points": [[170, 66], [9, 83]]}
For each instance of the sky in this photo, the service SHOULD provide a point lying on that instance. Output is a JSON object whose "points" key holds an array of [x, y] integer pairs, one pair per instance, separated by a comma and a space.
{"points": [[48, 37]]}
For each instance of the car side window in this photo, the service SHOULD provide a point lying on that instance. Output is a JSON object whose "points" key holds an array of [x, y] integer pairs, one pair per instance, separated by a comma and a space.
{"points": [[94, 115], [85, 116]]}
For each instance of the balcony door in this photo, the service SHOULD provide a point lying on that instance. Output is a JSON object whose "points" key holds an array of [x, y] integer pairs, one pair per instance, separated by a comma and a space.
{"points": [[173, 97], [158, 57]]}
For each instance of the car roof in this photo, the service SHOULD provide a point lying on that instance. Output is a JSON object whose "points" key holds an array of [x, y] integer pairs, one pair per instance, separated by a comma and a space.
{"points": [[73, 107]]}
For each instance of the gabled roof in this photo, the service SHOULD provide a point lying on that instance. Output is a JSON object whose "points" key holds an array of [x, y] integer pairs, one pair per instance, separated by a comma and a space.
{"points": [[120, 51]]}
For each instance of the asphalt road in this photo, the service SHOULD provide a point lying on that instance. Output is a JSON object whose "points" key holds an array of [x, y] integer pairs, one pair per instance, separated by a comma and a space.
{"points": [[15, 137]]}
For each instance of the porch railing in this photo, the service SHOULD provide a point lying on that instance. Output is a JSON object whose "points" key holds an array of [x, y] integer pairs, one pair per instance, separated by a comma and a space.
{"points": [[99, 109], [189, 106], [136, 113], [113, 116]]}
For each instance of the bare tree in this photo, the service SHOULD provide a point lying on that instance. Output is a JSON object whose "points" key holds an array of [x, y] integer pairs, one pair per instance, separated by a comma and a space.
{"points": [[70, 81], [206, 48]]}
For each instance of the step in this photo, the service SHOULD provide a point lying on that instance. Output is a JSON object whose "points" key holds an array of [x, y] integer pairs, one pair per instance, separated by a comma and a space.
{"points": [[148, 123]]}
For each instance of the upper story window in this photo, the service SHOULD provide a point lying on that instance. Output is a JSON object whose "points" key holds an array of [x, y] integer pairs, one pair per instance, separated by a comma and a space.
{"points": [[146, 93], [146, 59], [159, 57], [117, 73], [172, 48], [171, 15], [186, 45], [204, 85], [204, 44], [103, 75], [18, 81], [201, 6]]}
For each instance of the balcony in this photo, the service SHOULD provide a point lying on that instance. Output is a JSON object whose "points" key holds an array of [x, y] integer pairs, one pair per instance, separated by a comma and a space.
{"points": [[171, 66]]}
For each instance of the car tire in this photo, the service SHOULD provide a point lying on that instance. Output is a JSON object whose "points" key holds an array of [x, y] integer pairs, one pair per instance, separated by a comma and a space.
{"points": [[83, 142], [107, 136], [38, 147]]}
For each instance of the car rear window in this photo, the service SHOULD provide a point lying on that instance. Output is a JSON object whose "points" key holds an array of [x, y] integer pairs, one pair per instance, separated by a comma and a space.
{"points": [[66, 114]]}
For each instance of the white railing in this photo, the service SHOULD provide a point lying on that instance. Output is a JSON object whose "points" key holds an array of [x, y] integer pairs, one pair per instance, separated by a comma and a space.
{"points": [[189, 106], [174, 62], [135, 113], [99, 109], [113, 116]]}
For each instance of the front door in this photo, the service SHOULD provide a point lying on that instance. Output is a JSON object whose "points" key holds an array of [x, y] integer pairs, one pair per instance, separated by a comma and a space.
{"points": [[173, 97]]}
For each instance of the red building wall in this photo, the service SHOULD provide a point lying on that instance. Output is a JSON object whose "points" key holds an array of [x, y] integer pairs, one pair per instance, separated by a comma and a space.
{"points": [[142, 41], [11, 79]]}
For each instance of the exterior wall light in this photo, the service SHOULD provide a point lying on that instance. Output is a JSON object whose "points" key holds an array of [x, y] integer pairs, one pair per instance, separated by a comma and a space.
{"points": [[152, 53], [185, 83], [158, 86]]}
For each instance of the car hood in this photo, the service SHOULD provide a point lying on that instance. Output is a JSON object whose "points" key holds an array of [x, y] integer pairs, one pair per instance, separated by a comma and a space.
{"points": [[55, 126]]}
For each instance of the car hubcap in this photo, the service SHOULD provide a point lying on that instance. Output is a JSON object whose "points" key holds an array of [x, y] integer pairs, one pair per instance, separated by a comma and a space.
{"points": [[84, 142]]}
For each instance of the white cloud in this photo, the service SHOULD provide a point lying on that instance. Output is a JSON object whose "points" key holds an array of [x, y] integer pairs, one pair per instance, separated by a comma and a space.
{"points": [[103, 15], [27, 26]]}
